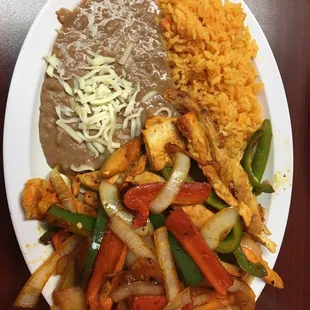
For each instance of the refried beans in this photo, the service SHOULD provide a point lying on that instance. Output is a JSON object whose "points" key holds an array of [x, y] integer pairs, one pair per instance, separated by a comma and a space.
{"points": [[105, 26]]}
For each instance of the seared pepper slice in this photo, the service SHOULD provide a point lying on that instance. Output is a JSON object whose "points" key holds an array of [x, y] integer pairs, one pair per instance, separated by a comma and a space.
{"points": [[247, 164], [100, 226], [213, 200], [180, 225], [148, 302], [76, 223], [46, 238], [191, 274], [262, 152], [233, 239], [139, 197], [254, 269]]}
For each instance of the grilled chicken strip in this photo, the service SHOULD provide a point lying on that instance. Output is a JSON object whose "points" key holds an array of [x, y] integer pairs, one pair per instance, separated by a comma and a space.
{"points": [[231, 171], [199, 146]]}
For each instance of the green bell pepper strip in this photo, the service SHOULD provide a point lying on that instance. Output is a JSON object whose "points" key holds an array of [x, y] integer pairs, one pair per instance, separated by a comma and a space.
{"points": [[71, 221], [262, 152], [167, 171], [190, 272], [158, 220], [98, 232], [46, 238], [216, 202], [247, 164], [234, 237], [254, 269]]}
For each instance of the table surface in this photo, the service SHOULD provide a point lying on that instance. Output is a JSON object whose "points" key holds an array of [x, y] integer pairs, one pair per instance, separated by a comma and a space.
{"points": [[286, 24]]}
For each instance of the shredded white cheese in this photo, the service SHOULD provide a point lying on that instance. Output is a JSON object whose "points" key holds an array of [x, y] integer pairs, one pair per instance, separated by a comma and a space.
{"points": [[138, 126], [136, 115], [96, 99], [82, 168], [72, 133], [149, 95], [163, 109], [92, 149], [128, 49]]}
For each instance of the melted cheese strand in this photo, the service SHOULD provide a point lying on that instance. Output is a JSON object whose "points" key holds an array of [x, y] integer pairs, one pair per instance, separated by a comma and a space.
{"points": [[97, 98], [163, 109], [126, 120], [69, 131], [133, 128], [92, 149]]}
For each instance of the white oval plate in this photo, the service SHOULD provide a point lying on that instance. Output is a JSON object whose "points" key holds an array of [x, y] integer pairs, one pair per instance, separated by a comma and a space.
{"points": [[24, 158]]}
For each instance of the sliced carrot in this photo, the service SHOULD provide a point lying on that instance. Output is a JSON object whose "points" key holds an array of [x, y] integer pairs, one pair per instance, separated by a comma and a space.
{"points": [[59, 238], [110, 250], [114, 283], [143, 268], [148, 302], [119, 267], [181, 226]]}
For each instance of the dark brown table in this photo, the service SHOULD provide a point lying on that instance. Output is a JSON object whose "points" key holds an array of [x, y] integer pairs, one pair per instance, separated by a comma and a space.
{"points": [[286, 24]]}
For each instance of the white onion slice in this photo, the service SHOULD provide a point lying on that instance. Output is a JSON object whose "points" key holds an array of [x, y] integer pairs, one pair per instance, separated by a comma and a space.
{"points": [[219, 224], [172, 284], [180, 301], [149, 242], [232, 269], [201, 299], [63, 192], [130, 238], [250, 244], [137, 289], [109, 197], [237, 286], [29, 295], [172, 187], [130, 258], [70, 298]]}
